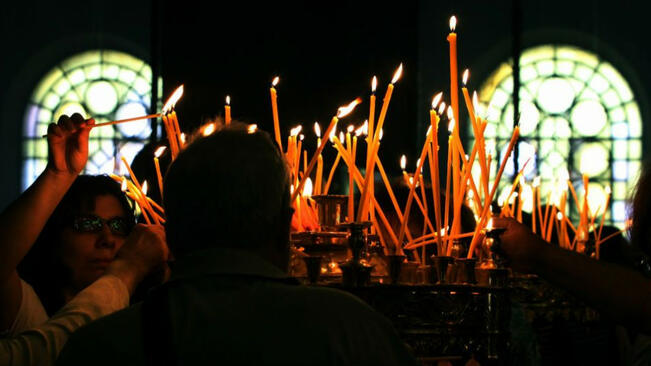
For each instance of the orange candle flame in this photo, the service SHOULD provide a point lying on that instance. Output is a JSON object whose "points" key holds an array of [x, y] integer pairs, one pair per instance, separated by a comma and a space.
{"points": [[464, 78], [228, 100], [437, 99], [365, 128], [441, 108], [144, 188], [403, 162], [317, 129], [208, 129], [295, 131], [173, 99], [397, 74], [344, 111], [374, 84], [252, 128], [160, 151], [453, 23], [123, 186], [275, 81], [307, 188], [489, 225], [350, 128]]}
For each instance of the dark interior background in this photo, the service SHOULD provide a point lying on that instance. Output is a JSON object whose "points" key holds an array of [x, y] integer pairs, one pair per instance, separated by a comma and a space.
{"points": [[324, 53]]}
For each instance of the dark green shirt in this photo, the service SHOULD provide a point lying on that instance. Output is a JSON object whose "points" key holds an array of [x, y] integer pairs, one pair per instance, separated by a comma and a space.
{"points": [[232, 307]]}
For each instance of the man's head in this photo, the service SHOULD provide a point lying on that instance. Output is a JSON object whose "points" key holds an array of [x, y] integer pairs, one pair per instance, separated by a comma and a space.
{"points": [[230, 189]]}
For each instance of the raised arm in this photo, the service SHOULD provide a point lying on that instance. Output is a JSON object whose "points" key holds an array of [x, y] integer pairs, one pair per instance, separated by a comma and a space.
{"points": [[22, 221], [621, 293]]}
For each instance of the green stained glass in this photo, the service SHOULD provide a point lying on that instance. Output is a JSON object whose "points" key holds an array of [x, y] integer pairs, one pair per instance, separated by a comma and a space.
{"points": [[578, 112], [96, 83]]}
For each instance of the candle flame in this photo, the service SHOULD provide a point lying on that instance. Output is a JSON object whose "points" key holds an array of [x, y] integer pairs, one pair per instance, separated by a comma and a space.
{"points": [[350, 128], [559, 216], [307, 188], [608, 190], [453, 23], [144, 188], [475, 101], [123, 186], [228, 100], [275, 81], [451, 125], [429, 130], [381, 133], [411, 181], [252, 128], [403, 162], [295, 131], [333, 133], [365, 128], [464, 78], [317, 129], [489, 225], [159, 151], [536, 181], [450, 112], [359, 131], [397, 74], [301, 137], [341, 136], [173, 99], [344, 111], [441, 108], [437, 99], [208, 129], [374, 84], [183, 137]]}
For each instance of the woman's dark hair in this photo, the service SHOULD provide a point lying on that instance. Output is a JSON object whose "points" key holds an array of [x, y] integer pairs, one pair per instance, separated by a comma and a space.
{"points": [[41, 267]]}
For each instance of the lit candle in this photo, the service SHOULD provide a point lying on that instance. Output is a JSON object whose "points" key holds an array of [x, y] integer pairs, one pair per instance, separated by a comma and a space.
{"points": [[434, 166], [137, 184], [376, 136], [535, 203], [227, 110], [274, 110], [454, 82], [319, 163], [603, 215], [351, 183], [341, 112], [157, 155]]}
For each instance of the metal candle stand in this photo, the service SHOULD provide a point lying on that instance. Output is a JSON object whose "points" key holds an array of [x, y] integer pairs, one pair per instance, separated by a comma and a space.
{"points": [[356, 273]]}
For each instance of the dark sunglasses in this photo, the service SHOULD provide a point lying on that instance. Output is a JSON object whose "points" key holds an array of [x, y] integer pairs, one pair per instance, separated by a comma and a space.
{"points": [[93, 224]]}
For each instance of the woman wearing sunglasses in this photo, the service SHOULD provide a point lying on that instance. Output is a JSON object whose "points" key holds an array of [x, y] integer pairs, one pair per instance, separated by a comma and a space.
{"points": [[69, 244]]}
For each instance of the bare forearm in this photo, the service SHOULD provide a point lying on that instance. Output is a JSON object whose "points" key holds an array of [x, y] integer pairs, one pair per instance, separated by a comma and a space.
{"points": [[620, 293], [23, 220]]}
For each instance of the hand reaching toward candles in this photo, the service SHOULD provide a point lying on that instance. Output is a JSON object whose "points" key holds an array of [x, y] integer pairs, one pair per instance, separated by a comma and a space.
{"points": [[145, 251], [68, 144], [518, 244]]}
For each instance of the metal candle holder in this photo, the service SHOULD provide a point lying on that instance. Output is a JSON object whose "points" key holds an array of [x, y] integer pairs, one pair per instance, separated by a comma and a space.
{"points": [[330, 209], [355, 273]]}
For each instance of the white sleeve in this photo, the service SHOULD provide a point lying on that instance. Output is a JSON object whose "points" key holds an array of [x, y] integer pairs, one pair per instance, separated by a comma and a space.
{"points": [[41, 345], [31, 312]]}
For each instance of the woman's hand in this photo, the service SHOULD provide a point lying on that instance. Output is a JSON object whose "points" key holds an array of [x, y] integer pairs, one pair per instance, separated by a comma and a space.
{"points": [[68, 144], [144, 252]]}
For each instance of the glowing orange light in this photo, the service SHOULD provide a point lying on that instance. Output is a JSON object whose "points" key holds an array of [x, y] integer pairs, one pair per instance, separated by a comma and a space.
{"points": [[453, 23], [295, 131], [441, 108], [144, 188], [160, 151], [307, 188], [252, 128], [173, 99], [208, 129], [436, 100], [489, 225], [464, 78], [350, 128], [403, 162], [317, 129], [365, 128], [275, 81], [397, 74], [374, 84], [228, 100], [344, 111], [183, 137]]}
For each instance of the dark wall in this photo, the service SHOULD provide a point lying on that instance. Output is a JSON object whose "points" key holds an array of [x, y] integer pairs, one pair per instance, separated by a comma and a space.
{"points": [[35, 36], [324, 53]]}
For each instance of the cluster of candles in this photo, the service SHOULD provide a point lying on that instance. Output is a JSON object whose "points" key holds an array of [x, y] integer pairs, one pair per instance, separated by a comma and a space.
{"points": [[461, 186]]}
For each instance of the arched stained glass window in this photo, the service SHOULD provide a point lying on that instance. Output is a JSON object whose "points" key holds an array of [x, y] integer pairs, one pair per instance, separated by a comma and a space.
{"points": [[102, 84], [578, 113]]}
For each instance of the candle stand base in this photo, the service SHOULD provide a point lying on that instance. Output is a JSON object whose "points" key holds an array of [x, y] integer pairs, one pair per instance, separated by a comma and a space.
{"points": [[441, 268]]}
